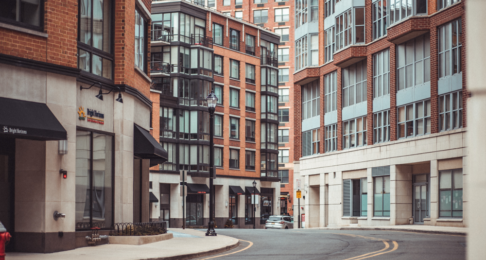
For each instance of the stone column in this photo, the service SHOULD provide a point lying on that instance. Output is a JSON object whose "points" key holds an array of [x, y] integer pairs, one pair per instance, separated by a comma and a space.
{"points": [[322, 199], [434, 192]]}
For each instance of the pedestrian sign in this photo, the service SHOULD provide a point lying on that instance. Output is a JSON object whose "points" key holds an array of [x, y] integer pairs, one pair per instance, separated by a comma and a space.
{"points": [[299, 194]]}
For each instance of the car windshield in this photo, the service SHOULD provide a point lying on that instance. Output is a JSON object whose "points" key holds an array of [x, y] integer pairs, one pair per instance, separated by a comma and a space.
{"points": [[274, 219]]}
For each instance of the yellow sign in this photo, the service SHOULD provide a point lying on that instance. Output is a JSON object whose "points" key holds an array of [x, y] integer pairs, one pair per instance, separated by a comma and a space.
{"points": [[299, 194], [81, 113]]}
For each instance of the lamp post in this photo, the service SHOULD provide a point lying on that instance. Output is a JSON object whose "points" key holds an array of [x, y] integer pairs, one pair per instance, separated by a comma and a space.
{"points": [[212, 101], [254, 189]]}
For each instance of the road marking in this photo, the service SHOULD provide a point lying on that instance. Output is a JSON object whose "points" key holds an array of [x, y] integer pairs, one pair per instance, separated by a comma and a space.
{"points": [[250, 244], [395, 247], [359, 257]]}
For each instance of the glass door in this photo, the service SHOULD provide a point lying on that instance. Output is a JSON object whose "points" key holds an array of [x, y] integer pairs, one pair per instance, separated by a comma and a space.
{"points": [[420, 198]]}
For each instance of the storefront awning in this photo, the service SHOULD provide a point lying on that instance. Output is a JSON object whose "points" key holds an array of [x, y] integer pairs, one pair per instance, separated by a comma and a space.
{"points": [[252, 190], [236, 190], [29, 120], [153, 198], [146, 147], [197, 188]]}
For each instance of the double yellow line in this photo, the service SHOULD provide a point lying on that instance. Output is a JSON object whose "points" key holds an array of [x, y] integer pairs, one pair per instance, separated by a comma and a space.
{"points": [[375, 253]]}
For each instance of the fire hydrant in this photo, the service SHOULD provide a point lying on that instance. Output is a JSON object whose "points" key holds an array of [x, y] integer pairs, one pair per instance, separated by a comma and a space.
{"points": [[4, 238]]}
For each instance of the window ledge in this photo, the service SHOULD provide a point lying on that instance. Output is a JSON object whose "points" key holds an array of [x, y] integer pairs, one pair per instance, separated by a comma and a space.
{"points": [[234, 139], [234, 79], [143, 74], [250, 142], [362, 218], [235, 169], [218, 137], [380, 218], [250, 170], [237, 108], [349, 217], [219, 167], [24, 30], [250, 111], [449, 220]]}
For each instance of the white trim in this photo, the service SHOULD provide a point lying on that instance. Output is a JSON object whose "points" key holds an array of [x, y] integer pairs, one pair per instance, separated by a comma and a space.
{"points": [[24, 30], [145, 10], [250, 149], [284, 87], [235, 87], [231, 115], [218, 113], [155, 91], [227, 28], [243, 33], [143, 74], [380, 218], [449, 220], [209, 22], [234, 147], [251, 119], [218, 145], [249, 90], [218, 83]]}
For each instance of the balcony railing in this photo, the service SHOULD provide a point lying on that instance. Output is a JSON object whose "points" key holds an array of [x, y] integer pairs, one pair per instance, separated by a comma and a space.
{"points": [[161, 32], [269, 60], [165, 88], [160, 67], [200, 39]]}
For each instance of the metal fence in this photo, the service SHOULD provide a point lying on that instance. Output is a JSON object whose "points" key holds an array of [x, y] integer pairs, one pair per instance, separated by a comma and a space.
{"points": [[139, 229]]}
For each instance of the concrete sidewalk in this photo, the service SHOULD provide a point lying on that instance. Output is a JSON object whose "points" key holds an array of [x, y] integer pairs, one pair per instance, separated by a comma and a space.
{"points": [[185, 243], [408, 228]]}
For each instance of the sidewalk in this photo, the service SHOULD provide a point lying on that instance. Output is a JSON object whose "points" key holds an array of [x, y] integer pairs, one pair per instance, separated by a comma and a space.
{"points": [[185, 242], [408, 228]]}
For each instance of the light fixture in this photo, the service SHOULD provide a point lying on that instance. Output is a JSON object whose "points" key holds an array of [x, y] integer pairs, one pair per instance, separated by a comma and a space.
{"points": [[212, 100], [63, 149], [120, 98], [64, 173], [100, 95]]}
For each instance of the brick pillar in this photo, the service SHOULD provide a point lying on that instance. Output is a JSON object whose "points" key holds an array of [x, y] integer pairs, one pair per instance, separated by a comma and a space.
{"points": [[368, 22], [463, 66], [393, 94], [369, 98], [297, 122], [322, 105], [434, 77], [339, 111]]}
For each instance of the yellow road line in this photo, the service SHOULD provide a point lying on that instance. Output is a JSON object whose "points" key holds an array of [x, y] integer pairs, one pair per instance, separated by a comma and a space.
{"points": [[395, 247], [250, 244], [359, 257]]}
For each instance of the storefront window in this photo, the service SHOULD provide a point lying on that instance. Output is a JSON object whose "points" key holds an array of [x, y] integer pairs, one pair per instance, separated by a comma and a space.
{"points": [[450, 193], [266, 204], [194, 210], [382, 196], [233, 208], [94, 180]]}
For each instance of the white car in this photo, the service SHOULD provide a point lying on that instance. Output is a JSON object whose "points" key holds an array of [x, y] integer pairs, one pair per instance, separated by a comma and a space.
{"points": [[279, 222]]}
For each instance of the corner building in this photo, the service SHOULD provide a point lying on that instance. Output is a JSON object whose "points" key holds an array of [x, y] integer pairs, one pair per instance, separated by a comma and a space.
{"points": [[196, 50], [75, 120], [380, 124]]}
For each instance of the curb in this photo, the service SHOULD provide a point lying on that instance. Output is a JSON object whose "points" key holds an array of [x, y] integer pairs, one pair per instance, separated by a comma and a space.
{"points": [[395, 229], [197, 255]]}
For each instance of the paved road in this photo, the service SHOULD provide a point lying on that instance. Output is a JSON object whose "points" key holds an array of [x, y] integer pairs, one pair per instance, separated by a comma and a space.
{"points": [[341, 244]]}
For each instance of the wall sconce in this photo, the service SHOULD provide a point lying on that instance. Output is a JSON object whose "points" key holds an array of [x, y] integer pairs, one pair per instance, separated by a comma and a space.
{"points": [[63, 147], [100, 93], [119, 99], [64, 173]]}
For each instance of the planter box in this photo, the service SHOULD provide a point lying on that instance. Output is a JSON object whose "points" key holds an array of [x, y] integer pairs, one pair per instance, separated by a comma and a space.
{"points": [[138, 240]]}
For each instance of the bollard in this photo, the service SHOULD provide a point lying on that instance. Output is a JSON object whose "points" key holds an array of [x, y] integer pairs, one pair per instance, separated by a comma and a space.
{"points": [[4, 238]]}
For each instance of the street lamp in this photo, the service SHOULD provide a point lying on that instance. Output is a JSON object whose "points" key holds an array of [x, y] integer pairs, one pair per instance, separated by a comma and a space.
{"points": [[254, 189], [212, 101]]}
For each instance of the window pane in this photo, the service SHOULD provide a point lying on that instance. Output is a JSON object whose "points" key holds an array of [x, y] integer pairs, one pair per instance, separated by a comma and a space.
{"points": [[445, 180], [458, 179]]}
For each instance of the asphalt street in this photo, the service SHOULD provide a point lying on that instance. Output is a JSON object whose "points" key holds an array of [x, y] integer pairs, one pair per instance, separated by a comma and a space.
{"points": [[341, 244]]}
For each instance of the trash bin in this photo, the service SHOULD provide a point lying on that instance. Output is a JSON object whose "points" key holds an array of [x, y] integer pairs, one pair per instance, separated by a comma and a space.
{"points": [[4, 238]]}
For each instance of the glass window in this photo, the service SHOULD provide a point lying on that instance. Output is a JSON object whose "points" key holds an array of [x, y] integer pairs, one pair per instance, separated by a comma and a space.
{"points": [[217, 34], [268, 136], [330, 44], [300, 13], [329, 7], [445, 3], [218, 91], [250, 160], [310, 100], [314, 50], [354, 132], [310, 142], [218, 156], [30, 13], [234, 98], [250, 101], [301, 55], [281, 14], [381, 204], [283, 175], [226, 2], [250, 44], [283, 115], [250, 130], [260, 16], [450, 111], [354, 84], [414, 119], [140, 41], [168, 125], [233, 208], [218, 125], [381, 73], [330, 138], [283, 54], [218, 65], [94, 190], [234, 159], [234, 40], [171, 163], [283, 135], [234, 69], [283, 75], [401, 9], [380, 18], [234, 127], [269, 107], [450, 47], [239, 15], [260, 1], [413, 62], [353, 194], [364, 197], [330, 92], [381, 126], [284, 34], [250, 73], [283, 156], [314, 10], [450, 193], [283, 95]]}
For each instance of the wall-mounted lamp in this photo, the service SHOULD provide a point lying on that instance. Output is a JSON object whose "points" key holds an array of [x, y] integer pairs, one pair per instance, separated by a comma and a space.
{"points": [[63, 147], [58, 215], [100, 93], [64, 173], [288, 197], [119, 99]]}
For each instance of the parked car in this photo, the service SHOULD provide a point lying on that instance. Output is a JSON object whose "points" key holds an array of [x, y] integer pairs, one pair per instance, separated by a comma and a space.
{"points": [[279, 222]]}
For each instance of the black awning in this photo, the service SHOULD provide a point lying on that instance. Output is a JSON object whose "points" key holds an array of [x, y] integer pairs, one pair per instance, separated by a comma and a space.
{"points": [[197, 188], [146, 147], [236, 190], [153, 198], [29, 120], [252, 190]]}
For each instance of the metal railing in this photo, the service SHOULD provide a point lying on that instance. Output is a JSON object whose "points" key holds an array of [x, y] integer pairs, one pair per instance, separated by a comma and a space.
{"points": [[161, 32], [160, 67], [165, 88], [200, 39], [139, 229], [269, 60]]}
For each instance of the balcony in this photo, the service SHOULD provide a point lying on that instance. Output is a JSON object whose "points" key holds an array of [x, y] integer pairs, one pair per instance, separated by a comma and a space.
{"points": [[200, 39], [269, 60], [160, 68], [161, 35]]}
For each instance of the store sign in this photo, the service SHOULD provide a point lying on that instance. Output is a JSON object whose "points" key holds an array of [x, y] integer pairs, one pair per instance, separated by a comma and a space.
{"points": [[14, 131], [93, 116]]}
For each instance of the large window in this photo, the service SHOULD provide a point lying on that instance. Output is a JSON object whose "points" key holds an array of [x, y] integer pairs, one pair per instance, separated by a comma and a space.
{"points": [[330, 92], [283, 175], [260, 16], [168, 122], [301, 53], [450, 45], [234, 40], [94, 185], [310, 142], [354, 132], [250, 160], [450, 193], [250, 73], [381, 198], [413, 62], [355, 197], [330, 44], [414, 119], [260, 1], [226, 2], [218, 125], [250, 130], [239, 15], [234, 69], [217, 34], [445, 3], [283, 135], [401, 9], [268, 136], [300, 12], [330, 138], [250, 101], [380, 18], [284, 34], [283, 156], [329, 7], [218, 156], [218, 64], [269, 107], [283, 54], [314, 50], [94, 45], [29, 13], [281, 14], [233, 207], [283, 115], [234, 127], [283, 95], [171, 163], [310, 100], [234, 160], [381, 126], [140, 41], [314, 10], [250, 44], [381, 73], [283, 75], [234, 98], [354, 84], [450, 111], [218, 91], [350, 28]]}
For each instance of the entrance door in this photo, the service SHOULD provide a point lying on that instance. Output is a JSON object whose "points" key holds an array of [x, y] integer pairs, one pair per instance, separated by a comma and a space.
{"points": [[194, 210], [420, 199], [7, 147]]}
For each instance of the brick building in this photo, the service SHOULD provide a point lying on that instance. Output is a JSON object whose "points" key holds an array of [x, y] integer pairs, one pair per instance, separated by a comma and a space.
{"points": [[195, 50], [75, 118], [276, 16], [380, 122]]}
